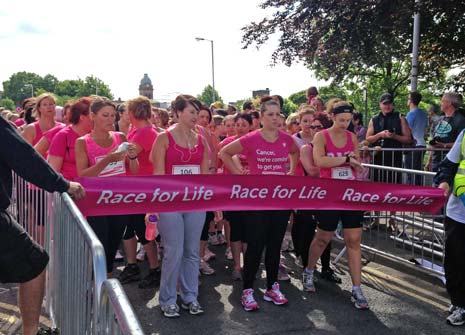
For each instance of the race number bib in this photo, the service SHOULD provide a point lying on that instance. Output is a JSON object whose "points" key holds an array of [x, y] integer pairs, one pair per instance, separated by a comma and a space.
{"points": [[113, 169], [343, 172], [186, 169]]}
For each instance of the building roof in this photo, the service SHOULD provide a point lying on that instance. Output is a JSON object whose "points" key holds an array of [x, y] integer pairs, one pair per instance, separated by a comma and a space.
{"points": [[146, 80]]}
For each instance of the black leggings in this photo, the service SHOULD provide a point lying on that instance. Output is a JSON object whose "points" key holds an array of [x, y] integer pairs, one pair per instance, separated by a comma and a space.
{"points": [[264, 229], [206, 226], [303, 231], [109, 230]]}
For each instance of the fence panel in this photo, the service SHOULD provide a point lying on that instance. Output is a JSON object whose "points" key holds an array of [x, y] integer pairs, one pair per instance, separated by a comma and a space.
{"points": [[117, 315]]}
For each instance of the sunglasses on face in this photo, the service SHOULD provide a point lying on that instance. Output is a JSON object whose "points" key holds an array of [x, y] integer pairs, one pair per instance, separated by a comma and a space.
{"points": [[295, 123], [316, 127]]}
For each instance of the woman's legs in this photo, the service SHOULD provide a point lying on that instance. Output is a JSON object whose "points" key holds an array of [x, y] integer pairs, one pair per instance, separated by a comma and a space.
{"points": [[352, 238]]}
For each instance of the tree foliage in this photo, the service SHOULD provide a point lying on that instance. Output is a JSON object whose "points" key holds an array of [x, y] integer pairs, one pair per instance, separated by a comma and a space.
{"points": [[209, 95], [341, 39], [21, 84], [8, 103]]}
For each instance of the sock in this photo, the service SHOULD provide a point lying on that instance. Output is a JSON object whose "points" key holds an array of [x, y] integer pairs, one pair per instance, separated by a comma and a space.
{"points": [[356, 288], [309, 271]]}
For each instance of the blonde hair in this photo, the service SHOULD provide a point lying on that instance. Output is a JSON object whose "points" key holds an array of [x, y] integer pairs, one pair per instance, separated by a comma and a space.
{"points": [[39, 100]]}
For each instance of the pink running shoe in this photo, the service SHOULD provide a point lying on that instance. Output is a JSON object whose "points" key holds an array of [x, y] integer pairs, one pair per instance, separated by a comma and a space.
{"points": [[248, 301], [275, 295]]}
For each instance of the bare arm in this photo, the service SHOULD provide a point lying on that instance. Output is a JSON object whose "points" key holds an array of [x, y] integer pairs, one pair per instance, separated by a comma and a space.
{"points": [[158, 153], [82, 161], [56, 162], [227, 153], [319, 154], [204, 166], [293, 158], [306, 157], [371, 137], [29, 133], [42, 146]]}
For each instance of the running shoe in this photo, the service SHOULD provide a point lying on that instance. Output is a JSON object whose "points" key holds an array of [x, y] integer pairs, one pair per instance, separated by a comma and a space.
{"points": [[248, 301], [170, 311], [457, 318], [151, 280], [359, 300], [308, 281], [194, 308], [228, 254], [141, 254], [236, 275], [213, 239], [275, 295], [451, 309], [131, 273], [119, 256], [221, 239], [205, 269], [331, 276], [208, 255]]}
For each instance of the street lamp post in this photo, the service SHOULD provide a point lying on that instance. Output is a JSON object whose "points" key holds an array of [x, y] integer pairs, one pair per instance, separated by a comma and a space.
{"points": [[32, 88], [213, 60]]}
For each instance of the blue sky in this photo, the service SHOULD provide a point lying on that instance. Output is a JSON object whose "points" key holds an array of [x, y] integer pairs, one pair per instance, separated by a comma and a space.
{"points": [[119, 41]]}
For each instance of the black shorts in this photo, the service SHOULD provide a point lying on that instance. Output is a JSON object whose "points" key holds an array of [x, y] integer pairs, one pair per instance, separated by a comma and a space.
{"points": [[21, 259], [328, 220], [237, 223], [136, 227]]}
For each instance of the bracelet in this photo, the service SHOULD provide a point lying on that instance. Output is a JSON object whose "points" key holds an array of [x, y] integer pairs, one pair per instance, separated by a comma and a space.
{"points": [[132, 158]]}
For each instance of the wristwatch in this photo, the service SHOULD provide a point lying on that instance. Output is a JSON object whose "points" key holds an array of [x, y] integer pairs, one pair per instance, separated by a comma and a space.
{"points": [[347, 158]]}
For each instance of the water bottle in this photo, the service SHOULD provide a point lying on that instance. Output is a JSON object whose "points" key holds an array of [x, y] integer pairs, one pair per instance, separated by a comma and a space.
{"points": [[151, 227], [122, 147]]}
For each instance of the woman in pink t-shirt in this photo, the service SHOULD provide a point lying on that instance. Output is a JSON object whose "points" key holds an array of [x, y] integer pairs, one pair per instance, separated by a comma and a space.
{"points": [[336, 153], [45, 112], [97, 156], [180, 150], [267, 151], [142, 135], [62, 156]]}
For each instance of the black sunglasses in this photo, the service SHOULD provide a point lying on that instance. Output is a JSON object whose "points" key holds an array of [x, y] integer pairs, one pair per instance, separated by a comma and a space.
{"points": [[316, 127], [295, 123]]}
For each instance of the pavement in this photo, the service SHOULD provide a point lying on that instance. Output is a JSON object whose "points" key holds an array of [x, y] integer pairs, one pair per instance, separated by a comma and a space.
{"points": [[402, 301]]}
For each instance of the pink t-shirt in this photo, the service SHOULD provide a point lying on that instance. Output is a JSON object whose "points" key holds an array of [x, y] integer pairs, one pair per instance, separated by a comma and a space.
{"points": [[180, 160], [343, 171], [242, 156], [39, 133], [63, 146], [144, 137], [267, 157], [50, 134], [95, 153], [19, 122]]}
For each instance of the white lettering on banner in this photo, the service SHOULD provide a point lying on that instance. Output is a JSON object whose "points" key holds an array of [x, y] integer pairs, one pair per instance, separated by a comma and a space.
{"points": [[197, 193], [342, 172], [312, 193], [239, 192], [186, 169], [352, 196], [164, 196], [108, 197]]}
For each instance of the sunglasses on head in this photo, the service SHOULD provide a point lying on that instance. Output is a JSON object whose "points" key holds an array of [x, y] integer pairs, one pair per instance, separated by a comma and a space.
{"points": [[316, 127]]}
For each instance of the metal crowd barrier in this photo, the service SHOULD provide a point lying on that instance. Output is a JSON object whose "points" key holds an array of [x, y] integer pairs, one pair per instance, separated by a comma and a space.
{"points": [[403, 236], [117, 316], [76, 277]]}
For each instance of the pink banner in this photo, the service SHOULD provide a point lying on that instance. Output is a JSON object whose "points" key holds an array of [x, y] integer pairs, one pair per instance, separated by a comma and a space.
{"points": [[133, 195]]}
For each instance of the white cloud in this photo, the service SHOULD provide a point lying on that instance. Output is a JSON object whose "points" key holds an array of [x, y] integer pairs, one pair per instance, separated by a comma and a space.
{"points": [[119, 41]]}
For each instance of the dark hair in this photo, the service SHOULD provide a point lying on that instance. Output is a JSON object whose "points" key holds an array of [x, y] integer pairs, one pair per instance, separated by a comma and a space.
{"points": [[204, 107], [164, 116], [415, 98], [99, 102], [266, 104], [265, 98], [121, 108], [280, 100], [255, 115], [358, 116], [28, 107], [247, 105], [221, 112], [182, 101], [323, 118], [247, 117], [80, 107], [140, 108], [312, 90], [435, 109]]}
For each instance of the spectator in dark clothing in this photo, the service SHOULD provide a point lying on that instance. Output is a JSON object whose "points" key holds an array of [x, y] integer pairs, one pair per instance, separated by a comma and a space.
{"points": [[21, 259]]}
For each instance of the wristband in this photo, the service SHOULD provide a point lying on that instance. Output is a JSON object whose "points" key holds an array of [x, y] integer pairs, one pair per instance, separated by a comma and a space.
{"points": [[347, 158], [132, 158]]}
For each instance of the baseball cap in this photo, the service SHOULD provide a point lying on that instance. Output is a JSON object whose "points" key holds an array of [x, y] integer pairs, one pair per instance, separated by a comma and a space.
{"points": [[386, 97]]}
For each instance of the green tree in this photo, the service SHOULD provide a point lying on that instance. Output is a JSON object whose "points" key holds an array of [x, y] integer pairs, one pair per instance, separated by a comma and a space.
{"points": [[209, 95], [288, 107], [69, 88], [18, 86], [299, 98], [49, 83], [94, 86], [341, 39], [8, 103]]}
